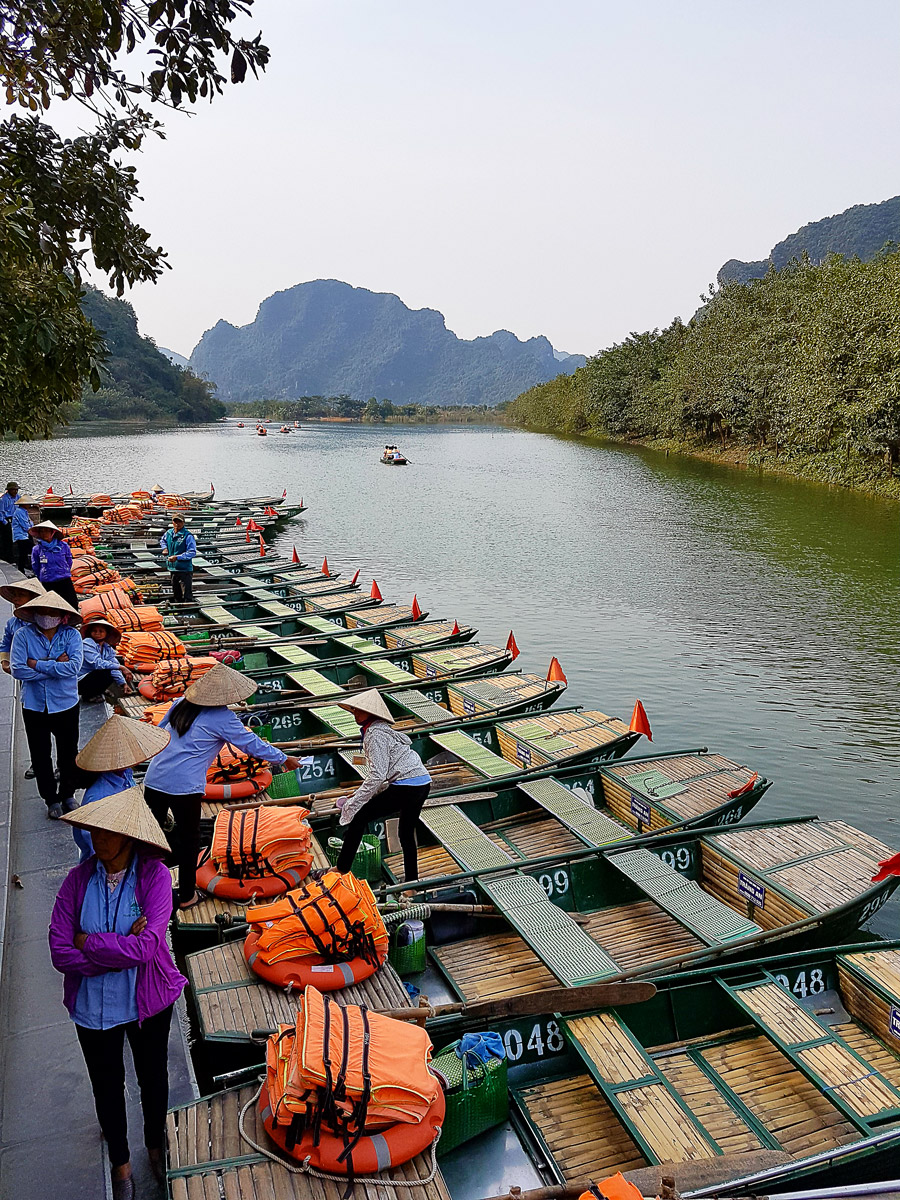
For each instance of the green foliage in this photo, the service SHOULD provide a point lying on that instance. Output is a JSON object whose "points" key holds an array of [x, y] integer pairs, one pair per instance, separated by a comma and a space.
{"points": [[137, 380], [802, 363], [72, 199]]}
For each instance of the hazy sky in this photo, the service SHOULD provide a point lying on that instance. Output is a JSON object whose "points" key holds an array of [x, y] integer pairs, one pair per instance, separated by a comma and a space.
{"points": [[577, 169]]}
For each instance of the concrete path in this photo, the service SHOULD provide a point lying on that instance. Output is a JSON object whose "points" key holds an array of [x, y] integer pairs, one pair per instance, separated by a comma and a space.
{"points": [[50, 1143]]}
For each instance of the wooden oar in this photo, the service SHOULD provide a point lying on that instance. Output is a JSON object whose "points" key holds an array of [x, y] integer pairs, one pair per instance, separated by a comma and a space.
{"points": [[531, 1004], [437, 801]]}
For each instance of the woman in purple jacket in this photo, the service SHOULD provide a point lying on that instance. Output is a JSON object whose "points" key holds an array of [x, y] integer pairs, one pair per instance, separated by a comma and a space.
{"points": [[108, 938], [51, 561]]}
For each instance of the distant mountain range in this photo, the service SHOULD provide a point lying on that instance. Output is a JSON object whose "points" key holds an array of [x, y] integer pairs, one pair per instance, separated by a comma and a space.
{"points": [[326, 338], [860, 231]]}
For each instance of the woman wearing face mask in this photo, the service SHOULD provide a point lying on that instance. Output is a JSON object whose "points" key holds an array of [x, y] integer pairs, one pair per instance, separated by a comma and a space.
{"points": [[46, 656], [51, 561]]}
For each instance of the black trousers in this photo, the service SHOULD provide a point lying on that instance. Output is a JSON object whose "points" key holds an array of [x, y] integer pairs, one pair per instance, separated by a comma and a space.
{"points": [[407, 801], [94, 683], [6, 542], [185, 839], [22, 554], [41, 728], [182, 586], [104, 1054], [64, 588]]}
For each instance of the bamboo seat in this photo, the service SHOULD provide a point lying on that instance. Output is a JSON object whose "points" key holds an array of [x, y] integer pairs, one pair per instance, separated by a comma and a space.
{"points": [[207, 1157], [469, 847], [656, 1117], [638, 934], [389, 671], [295, 655], [352, 643], [314, 682], [217, 615], [458, 658], [483, 695], [482, 760], [258, 632], [422, 707], [496, 964], [591, 827]]}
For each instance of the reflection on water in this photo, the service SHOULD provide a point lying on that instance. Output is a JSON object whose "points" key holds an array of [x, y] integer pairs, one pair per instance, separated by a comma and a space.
{"points": [[751, 614]]}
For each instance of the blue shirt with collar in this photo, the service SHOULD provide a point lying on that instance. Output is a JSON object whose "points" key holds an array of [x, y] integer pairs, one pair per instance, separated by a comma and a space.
{"points": [[21, 525], [99, 656], [12, 625], [104, 785], [180, 768], [108, 999], [7, 506], [183, 545], [51, 686]]}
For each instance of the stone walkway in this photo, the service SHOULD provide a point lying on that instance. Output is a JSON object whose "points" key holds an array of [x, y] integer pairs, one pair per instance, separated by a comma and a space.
{"points": [[50, 1142]]}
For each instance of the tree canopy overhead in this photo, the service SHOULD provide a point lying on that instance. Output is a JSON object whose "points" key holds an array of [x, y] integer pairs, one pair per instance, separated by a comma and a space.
{"points": [[64, 202]]}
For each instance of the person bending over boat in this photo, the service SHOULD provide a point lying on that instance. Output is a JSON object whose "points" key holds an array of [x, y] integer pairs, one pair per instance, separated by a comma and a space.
{"points": [[46, 656], [101, 668], [108, 940], [180, 547], [200, 724], [51, 561], [396, 782]]}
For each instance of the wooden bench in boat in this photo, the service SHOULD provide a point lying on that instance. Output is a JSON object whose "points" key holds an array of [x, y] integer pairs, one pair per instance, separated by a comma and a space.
{"points": [[389, 671], [231, 1001], [422, 707], [313, 682], [258, 632], [295, 655], [474, 755], [217, 615], [593, 828], [207, 1157], [820, 1053]]}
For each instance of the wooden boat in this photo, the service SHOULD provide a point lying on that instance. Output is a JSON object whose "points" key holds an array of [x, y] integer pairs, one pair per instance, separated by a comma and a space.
{"points": [[535, 821], [634, 920], [393, 458], [262, 431]]}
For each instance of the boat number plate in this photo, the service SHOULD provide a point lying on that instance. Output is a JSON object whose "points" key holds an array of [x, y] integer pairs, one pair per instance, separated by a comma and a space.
{"points": [[523, 753], [642, 810], [751, 889], [468, 705], [895, 1023]]}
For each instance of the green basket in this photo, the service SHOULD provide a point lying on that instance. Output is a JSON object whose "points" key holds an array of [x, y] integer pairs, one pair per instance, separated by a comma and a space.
{"points": [[367, 862], [192, 638], [408, 959], [477, 1098], [283, 786]]}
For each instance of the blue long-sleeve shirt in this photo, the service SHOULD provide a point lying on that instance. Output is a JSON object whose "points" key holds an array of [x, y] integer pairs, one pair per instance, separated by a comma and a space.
{"points": [[12, 625], [183, 545], [51, 686], [7, 506], [21, 525], [51, 560], [99, 656], [107, 784], [180, 768], [111, 998]]}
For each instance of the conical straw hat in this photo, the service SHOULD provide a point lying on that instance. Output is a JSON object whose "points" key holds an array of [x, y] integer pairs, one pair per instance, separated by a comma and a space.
{"points": [[122, 742], [113, 633], [369, 702], [123, 812], [47, 525], [34, 587], [220, 685], [28, 501], [48, 602]]}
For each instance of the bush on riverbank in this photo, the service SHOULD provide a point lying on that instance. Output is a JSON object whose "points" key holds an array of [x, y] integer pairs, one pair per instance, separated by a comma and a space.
{"points": [[799, 371]]}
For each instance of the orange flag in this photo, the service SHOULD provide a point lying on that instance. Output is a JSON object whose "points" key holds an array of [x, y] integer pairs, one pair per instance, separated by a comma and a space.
{"points": [[325, 570], [511, 646], [247, 538], [555, 674], [239, 521], [375, 593], [416, 611], [262, 547], [454, 632], [354, 579], [295, 557], [639, 722]]}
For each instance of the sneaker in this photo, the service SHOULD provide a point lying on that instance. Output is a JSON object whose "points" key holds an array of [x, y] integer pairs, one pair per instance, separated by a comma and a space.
{"points": [[29, 774], [54, 811], [70, 805]]}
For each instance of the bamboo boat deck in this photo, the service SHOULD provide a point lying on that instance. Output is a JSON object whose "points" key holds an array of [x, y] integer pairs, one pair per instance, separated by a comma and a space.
{"points": [[231, 1001], [552, 737], [209, 1159], [672, 787]]}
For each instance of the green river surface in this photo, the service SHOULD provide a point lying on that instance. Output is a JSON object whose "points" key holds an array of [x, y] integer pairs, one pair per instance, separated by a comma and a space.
{"points": [[752, 614]]}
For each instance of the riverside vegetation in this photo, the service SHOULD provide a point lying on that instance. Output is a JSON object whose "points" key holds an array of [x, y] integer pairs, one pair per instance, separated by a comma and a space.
{"points": [[796, 372]]}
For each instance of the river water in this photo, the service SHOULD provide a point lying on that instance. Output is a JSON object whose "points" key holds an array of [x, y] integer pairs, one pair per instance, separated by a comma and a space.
{"points": [[751, 614]]}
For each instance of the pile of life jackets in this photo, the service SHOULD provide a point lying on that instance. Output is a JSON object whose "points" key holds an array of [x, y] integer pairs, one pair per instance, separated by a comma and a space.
{"points": [[122, 514], [235, 775], [174, 501], [79, 541], [328, 933], [144, 651], [100, 603], [100, 500], [154, 713], [173, 676], [258, 852], [125, 584], [88, 570], [136, 618], [350, 1089]]}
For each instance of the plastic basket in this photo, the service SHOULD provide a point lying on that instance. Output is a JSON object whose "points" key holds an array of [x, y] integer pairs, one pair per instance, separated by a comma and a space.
{"points": [[477, 1098], [283, 786], [367, 862], [408, 958]]}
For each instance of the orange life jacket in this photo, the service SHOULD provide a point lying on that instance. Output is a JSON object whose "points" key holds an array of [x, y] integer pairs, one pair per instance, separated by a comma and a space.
{"points": [[334, 918], [251, 843], [144, 650], [140, 617], [231, 764], [615, 1187], [173, 676], [99, 604], [154, 713]]}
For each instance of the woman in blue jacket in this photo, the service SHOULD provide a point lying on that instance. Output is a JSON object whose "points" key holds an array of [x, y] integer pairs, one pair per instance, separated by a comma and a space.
{"points": [[22, 525], [101, 666], [180, 547], [51, 561], [200, 724], [17, 594], [46, 657]]}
